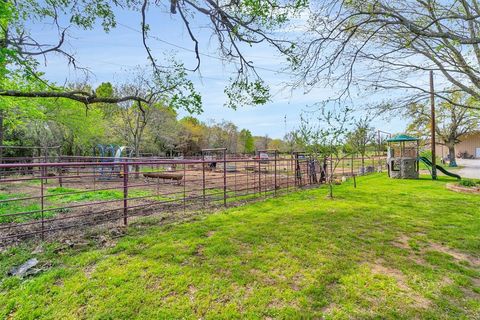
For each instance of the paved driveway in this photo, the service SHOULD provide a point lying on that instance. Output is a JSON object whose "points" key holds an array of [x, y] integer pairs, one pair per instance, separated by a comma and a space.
{"points": [[471, 168]]}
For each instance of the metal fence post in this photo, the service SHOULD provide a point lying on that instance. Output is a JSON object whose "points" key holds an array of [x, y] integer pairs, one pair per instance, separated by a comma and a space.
{"points": [[225, 177], [267, 169], [275, 176], [292, 171], [184, 186], [247, 164], [94, 176], [42, 200], [60, 182], [298, 177], [259, 177], [235, 180], [203, 178], [125, 193]]}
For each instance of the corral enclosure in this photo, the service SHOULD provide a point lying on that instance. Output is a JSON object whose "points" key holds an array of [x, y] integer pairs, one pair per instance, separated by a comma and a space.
{"points": [[39, 198]]}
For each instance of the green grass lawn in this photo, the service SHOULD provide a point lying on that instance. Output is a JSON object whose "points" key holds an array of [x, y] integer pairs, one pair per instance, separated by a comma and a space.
{"points": [[387, 249]]}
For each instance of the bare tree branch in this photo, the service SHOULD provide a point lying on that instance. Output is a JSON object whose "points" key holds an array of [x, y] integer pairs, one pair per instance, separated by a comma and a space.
{"points": [[372, 44]]}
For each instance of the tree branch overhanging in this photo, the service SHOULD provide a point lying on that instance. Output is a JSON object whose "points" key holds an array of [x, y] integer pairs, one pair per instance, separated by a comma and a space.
{"points": [[80, 96], [405, 38]]}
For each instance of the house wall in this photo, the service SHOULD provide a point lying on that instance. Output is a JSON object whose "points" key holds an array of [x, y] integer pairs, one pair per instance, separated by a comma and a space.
{"points": [[468, 144]]}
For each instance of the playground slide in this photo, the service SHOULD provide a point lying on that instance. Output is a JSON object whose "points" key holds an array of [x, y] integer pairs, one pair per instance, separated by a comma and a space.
{"points": [[440, 168]]}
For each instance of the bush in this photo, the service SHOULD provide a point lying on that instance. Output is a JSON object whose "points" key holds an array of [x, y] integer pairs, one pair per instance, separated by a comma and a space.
{"points": [[468, 183]]}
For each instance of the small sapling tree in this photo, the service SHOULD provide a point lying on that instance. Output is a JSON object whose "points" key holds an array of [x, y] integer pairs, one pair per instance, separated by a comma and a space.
{"points": [[324, 135], [362, 136]]}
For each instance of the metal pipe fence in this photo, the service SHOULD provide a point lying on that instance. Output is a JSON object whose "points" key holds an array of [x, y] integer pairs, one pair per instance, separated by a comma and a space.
{"points": [[39, 199]]}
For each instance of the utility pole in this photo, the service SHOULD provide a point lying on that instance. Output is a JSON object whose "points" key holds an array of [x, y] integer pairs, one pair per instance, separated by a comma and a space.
{"points": [[432, 116]]}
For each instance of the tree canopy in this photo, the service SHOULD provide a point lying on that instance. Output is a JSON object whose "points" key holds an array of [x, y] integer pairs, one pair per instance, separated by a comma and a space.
{"points": [[453, 122], [383, 45], [233, 24]]}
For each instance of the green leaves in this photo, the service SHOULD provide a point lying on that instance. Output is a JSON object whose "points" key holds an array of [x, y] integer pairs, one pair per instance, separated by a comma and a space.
{"points": [[7, 14], [269, 13], [247, 141], [177, 88], [324, 133], [362, 135], [241, 92], [17, 53], [104, 90]]}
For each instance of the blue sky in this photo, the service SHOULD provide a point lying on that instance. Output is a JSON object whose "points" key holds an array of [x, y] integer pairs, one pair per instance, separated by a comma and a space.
{"points": [[111, 57]]}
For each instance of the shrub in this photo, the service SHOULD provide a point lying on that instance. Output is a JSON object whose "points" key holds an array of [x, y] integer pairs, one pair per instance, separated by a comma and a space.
{"points": [[468, 183]]}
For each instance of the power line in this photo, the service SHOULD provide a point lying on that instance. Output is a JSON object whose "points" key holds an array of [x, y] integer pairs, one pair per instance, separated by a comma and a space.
{"points": [[200, 53], [134, 66]]}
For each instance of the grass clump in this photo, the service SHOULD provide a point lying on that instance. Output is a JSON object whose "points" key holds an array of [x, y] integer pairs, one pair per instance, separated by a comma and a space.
{"points": [[468, 183], [31, 208], [66, 195], [12, 207]]}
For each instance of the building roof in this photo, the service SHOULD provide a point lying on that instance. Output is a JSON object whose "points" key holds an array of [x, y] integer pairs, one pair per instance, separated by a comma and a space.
{"points": [[402, 138]]}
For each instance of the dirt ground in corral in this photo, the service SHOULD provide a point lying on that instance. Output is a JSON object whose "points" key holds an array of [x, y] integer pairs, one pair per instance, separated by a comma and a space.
{"points": [[145, 195]]}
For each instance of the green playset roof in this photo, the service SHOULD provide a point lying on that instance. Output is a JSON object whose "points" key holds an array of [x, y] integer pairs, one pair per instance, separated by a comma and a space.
{"points": [[402, 138]]}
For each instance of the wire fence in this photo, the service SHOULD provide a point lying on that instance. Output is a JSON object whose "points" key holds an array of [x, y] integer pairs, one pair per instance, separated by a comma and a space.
{"points": [[40, 199]]}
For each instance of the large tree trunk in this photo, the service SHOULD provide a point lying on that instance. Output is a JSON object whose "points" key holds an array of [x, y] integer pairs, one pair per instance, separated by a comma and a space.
{"points": [[70, 144], [451, 155], [137, 156]]}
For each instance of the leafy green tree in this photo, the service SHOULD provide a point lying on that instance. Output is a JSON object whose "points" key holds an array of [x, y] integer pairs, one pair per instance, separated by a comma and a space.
{"points": [[277, 144], [222, 134], [362, 136], [192, 136], [14, 113], [453, 122], [261, 142], [246, 141], [324, 136], [291, 141], [60, 122], [80, 130], [163, 133], [172, 89]]}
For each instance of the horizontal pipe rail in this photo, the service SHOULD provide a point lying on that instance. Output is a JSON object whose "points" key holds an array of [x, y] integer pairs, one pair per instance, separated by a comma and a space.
{"points": [[99, 190]]}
